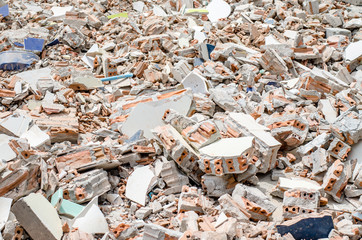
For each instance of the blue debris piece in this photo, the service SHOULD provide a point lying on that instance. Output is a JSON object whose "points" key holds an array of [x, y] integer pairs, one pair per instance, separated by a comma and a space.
{"points": [[53, 43], [249, 89], [198, 61], [307, 228], [127, 75], [210, 48], [4, 10], [34, 44], [272, 83], [19, 44], [357, 216], [137, 136], [150, 194], [17, 60]]}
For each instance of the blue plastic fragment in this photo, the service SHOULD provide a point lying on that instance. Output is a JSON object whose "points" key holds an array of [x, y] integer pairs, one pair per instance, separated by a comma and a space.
{"points": [[34, 44], [18, 44], [127, 75], [4, 10], [17, 60], [198, 61], [135, 137], [53, 43], [210, 48], [249, 89], [272, 83], [308, 228], [150, 194]]}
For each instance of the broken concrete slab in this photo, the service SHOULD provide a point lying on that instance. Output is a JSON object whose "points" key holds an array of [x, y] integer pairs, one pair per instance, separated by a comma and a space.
{"points": [[38, 217]]}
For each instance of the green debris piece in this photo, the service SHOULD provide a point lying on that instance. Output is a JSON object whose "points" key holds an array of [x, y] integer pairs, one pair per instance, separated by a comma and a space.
{"points": [[65, 207], [196, 10], [122, 14]]}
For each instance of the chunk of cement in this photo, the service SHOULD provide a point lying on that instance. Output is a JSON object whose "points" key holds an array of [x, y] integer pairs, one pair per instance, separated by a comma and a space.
{"points": [[38, 217]]}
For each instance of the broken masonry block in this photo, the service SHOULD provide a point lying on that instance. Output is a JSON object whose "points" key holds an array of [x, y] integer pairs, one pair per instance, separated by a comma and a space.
{"points": [[216, 186], [290, 129], [181, 70], [345, 100], [314, 226], [321, 141], [312, 6], [20, 182], [190, 200], [140, 67], [60, 127], [179, 150], [143, 213], [322, 81], [285, 184], [232, 208], [227, 156], [352, 191], [86, 186], [335, 180], [338, 149], [348, 126], [157, 232], [318, 160], [271, 61], [250, 174], [173, 177], [312, 95], [38, 217], [73, 37], [177, 120], [201, 134], [82, 157], [299, 201], [203, 105], [190, 52], [224, 100], [257, 204], [266, 145], [109, 67], [153, 25]]}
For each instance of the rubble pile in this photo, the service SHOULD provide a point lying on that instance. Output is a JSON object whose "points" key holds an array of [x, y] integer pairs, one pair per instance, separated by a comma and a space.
{"points": [[180, 119]]}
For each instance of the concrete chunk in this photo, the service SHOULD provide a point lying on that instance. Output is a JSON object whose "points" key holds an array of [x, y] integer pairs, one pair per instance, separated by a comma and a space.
{"points": [[38, 217]]}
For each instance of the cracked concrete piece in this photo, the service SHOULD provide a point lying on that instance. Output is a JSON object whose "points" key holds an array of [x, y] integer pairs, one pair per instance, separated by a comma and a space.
{"points": [[38, 217]]}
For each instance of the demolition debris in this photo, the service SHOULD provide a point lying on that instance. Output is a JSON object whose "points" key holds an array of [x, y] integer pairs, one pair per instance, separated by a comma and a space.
{"points": [[180, 119]]}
